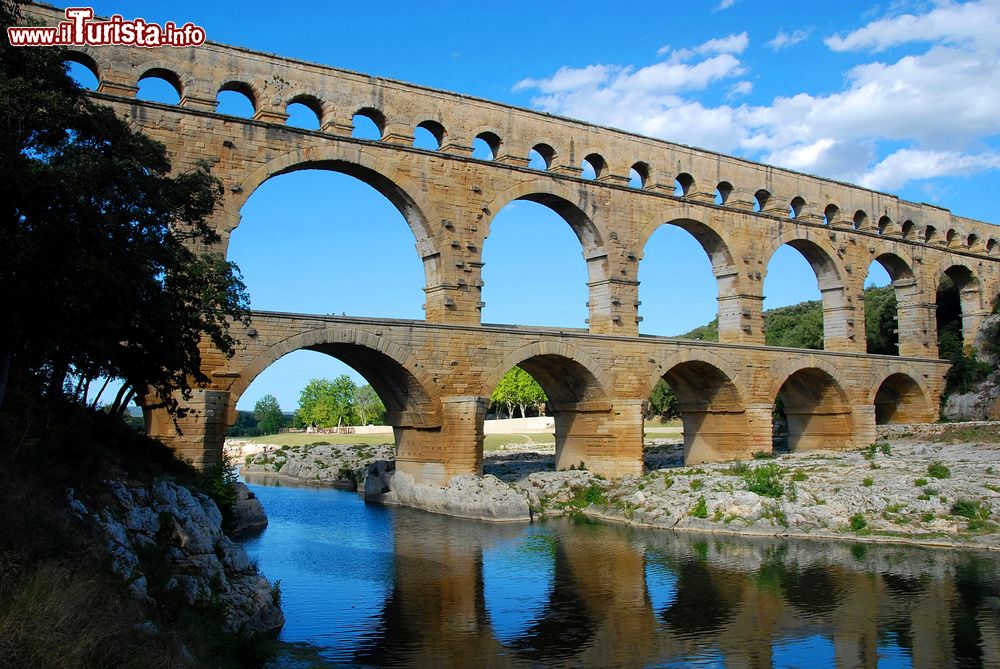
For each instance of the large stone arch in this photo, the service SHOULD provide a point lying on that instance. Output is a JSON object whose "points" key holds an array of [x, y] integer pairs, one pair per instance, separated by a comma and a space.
{"points": [[711, 402], [970, 295], [599, 380], [911, 316], [838, 328], [395, 185], [573, 205], [576, 208], [389, 181], [816, 405], [408, 393], [578, 398], [712, 239], [900, 395]]}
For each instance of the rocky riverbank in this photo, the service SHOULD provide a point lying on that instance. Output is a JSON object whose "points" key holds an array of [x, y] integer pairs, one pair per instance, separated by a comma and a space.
{"points": [[928, 484], [168, 544], [319, 463]]}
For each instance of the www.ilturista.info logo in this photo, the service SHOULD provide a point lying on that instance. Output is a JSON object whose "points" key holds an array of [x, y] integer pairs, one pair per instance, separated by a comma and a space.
{"points": [[80, 29]]}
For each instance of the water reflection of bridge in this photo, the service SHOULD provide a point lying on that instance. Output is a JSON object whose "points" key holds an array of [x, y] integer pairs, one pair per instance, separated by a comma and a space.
{"points": [[621, 597]]}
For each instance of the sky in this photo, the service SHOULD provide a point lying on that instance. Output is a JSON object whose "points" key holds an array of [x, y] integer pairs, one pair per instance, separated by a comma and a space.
{"points": [[902, 97]]}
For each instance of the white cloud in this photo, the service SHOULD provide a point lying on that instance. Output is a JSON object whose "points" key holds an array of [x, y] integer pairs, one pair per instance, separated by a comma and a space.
{"points": [[907, 165], [724, 4], [950, 22], [740, 88], [784, 40], [929, 113]]}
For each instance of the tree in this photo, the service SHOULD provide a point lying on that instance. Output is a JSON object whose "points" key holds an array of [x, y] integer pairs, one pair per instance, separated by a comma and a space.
{"points": [[99, 277], [327, 403], [519, 388], [663, 402], [881, 321], [267, 411], [368, 405]]}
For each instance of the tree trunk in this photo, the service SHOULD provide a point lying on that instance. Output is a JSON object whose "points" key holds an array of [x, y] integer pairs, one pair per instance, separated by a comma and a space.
{"points": [[521, 406]]}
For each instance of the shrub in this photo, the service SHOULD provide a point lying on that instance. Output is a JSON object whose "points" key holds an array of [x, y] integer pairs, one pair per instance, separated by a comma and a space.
{"points": [[584, 497], [700, 509], [763, 455], [927, 517], [858, 522], [799, 476], [974, 511], [920, 482], [938, 470], [765, 481], [697, 484], [868, 482]]}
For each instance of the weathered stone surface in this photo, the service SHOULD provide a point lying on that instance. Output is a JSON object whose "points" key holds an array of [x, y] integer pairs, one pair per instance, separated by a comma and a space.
{"points": [[206, 566], [248, 513], [481, 498]]}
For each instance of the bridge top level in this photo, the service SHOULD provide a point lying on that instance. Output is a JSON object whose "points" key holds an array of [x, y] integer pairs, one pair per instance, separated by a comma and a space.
{"points": [[618, 158]]}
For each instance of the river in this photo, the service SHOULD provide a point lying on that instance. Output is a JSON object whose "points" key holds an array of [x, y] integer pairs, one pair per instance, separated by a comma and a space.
{"points": [[366, 585]]}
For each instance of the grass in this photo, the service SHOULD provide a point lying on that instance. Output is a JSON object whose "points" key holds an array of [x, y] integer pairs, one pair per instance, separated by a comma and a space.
{"points": [[938, 470], [868, 482], [765, 480], [858, 523], [921, 482], [700, 509], [977, 513]]}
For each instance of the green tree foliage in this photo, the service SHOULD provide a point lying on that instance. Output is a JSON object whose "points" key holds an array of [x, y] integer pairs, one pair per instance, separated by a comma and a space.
{"points": [[518, 388], [98, 278], [267, 411], [245, 425], [327, 403], [966, 368], [663, 402], [796, 326], [801, 325], [881, 320], [368, 406]]}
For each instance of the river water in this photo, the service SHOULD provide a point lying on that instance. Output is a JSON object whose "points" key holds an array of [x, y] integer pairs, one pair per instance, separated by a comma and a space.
{"points": [[367, 585]]}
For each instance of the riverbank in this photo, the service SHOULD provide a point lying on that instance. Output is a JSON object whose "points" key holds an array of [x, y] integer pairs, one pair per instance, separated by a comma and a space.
{"points": [[113, 552], [934, 485]]}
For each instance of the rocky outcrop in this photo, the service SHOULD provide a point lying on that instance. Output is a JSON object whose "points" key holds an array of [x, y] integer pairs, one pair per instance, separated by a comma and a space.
{"points": [[981, 403], [167, 543], [340, 465], [481, 498], [248, 513]]}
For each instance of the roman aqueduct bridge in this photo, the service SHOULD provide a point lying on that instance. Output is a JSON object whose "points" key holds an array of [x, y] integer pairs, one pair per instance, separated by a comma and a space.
{"points": [[436, 375]]}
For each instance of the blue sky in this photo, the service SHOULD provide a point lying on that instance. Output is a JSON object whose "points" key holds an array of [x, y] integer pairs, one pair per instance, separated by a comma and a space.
{"points": [[902, 97]]}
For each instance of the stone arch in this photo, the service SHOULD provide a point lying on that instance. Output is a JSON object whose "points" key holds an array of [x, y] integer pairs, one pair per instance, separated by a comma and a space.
{"points": [[710, 237], [970, 296], [576, 388], [825, 263], [245, 89], [598, 380], [491, 136], [166, 70], [704, 231], [310, 101], [405, 389], [711, 405], [901, 395], [86, 60], [816, 405], [388, 180], [909, 316], [571, 204]]}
